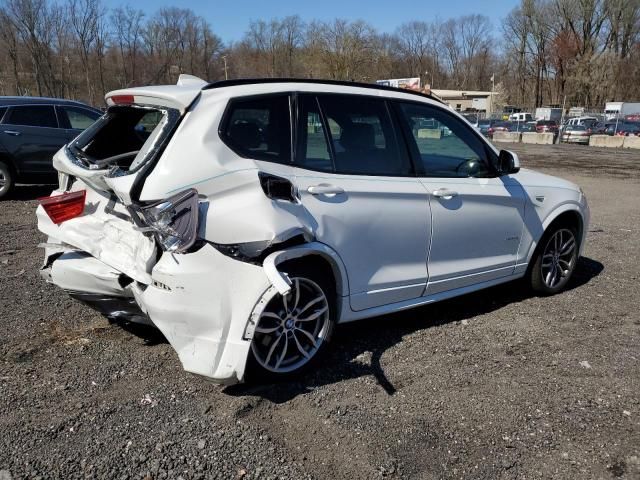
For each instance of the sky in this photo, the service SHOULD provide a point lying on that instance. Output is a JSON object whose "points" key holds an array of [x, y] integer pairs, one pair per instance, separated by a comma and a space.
{"points": [[230, 18]]}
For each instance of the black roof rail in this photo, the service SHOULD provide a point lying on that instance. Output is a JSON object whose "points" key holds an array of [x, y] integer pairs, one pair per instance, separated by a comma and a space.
{"points": [[373, 86]]}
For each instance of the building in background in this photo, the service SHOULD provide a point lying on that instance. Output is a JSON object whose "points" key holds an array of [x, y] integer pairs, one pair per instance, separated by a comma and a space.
{"points": [[460, 100], [466, 100]]}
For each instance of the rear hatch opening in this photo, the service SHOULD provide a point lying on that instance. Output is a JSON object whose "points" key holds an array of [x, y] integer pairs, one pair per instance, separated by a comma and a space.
{"points": [[124, 139]]}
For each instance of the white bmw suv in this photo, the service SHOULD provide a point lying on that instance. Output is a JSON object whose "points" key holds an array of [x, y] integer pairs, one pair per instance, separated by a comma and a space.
{"points": [[246, 218]]}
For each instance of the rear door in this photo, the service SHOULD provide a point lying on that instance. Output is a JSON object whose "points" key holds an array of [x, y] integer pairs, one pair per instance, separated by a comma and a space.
{"points": [[31, 135], [477, 217], [356, 180]]}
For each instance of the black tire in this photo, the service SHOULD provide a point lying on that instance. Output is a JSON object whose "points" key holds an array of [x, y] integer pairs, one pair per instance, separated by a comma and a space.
{"points": [[556, 239], [256, 372], [7, 180]]}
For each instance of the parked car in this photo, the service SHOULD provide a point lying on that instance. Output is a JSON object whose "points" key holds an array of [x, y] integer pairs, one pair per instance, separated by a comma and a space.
{"points": [[32, 130], [483, 125], [498, 127], [576, 134], [521, 127], [601, 128], [486, 126], [628, 129], [588, 122], [621, 128], [547, 126], [246, 249]]}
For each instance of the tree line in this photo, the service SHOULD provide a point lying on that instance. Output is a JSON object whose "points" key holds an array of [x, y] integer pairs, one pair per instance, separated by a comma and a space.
{"points": [[542, 52]]}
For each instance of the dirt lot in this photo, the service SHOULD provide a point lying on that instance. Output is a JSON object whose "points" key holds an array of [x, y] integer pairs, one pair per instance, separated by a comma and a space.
{"points": [[493, 385]]}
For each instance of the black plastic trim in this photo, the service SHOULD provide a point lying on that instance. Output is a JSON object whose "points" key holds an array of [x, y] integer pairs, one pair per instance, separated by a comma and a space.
{"points": [[315, 81]]}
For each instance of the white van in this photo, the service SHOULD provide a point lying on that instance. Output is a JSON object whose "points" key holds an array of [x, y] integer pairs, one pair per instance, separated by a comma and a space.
{"points": [[520, 117]]}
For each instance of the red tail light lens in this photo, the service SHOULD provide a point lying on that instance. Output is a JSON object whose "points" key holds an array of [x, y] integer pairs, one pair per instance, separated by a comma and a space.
{"points": [[61, 208], [122, 99]]}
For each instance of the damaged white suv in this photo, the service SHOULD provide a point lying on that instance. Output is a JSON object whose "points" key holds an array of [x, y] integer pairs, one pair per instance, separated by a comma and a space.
{"points": [[246, 218]]}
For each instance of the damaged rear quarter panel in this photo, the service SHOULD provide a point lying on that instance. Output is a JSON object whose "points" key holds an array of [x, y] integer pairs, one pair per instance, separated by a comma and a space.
{"points": [[238, 210]]}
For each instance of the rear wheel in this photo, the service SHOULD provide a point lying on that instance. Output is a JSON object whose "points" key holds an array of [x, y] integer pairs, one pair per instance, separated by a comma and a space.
{"points": [[555, 260], [6, 180], [293, 330]]}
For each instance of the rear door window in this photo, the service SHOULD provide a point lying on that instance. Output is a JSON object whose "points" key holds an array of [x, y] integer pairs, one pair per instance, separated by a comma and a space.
{"points": [[76, 118], [259, 128], [32, 116], [313, 149], [363, 136]]}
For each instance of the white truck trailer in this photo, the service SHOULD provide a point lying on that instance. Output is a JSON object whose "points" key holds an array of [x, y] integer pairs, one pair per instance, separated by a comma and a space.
{"points": [[614, 110], [548, 113]]}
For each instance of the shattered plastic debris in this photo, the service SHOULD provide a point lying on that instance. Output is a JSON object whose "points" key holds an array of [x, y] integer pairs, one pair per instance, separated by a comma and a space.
{"points": [[148, 400]]}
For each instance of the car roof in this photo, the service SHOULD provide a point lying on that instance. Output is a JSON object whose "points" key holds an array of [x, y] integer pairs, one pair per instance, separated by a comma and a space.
{"points": [[315, 81], [12, 101]]}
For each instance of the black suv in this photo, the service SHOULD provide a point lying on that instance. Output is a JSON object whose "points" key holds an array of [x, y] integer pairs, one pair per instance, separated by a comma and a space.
{"points": [[32, 129]]}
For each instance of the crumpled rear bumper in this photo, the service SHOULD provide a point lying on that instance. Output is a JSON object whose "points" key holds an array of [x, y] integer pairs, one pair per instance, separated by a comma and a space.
{"points": [[200, 301]]}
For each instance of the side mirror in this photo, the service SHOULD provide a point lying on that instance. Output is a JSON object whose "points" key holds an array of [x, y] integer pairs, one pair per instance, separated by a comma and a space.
{"points": [[508, 162]]}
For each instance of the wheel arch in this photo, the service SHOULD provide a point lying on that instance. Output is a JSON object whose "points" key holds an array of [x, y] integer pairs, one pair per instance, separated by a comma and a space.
{"points": [[569, 214], [308, 252], [6, 158]]}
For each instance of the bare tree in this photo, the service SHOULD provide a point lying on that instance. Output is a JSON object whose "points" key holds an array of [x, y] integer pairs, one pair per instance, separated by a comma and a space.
{"points": [[128, 27]]}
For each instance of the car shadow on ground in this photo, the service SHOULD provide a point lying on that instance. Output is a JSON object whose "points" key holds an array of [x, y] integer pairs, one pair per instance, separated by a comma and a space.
{"points": [[351, 340], [30, 192]]}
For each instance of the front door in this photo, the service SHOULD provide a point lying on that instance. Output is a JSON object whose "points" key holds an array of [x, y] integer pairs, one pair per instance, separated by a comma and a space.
{"points": [[477, 216], [355, 178]]}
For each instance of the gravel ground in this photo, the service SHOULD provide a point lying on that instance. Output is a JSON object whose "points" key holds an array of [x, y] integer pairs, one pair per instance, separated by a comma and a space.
{"points": [[494, 385]]}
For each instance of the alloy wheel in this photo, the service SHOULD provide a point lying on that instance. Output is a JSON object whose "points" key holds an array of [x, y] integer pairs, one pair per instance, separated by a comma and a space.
{"points": [[292, 327], [559, 257]]}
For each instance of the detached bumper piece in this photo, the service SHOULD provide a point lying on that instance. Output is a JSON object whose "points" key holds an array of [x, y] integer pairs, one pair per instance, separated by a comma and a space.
{"points": [[95, 284]]}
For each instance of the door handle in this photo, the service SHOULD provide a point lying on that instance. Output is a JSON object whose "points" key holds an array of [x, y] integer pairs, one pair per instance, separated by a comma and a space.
{"points": [[12, 132], [445, 193], [324, 190]]}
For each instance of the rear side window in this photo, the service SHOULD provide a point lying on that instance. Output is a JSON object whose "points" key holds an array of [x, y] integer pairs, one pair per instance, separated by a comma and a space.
{"points": [[363, 138], [3, 110], [32, 116], [77, 118], [259, 128]]}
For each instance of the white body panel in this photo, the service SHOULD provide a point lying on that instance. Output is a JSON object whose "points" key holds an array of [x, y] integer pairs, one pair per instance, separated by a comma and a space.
{"points": [[380, 228], [390, 242], [476, 233]]}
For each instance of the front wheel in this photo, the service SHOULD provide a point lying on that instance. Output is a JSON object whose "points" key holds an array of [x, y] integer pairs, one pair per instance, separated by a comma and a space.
{"points": [[555, 261], [293, 330]]}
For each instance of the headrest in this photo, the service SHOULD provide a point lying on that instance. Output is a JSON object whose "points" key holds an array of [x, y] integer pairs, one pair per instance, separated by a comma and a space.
{"points": [[358, 136], [246, 134]]}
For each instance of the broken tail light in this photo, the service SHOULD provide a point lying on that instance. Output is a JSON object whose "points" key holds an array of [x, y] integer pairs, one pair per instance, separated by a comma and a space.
{"points": [[61, 208], [174, 221]]}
